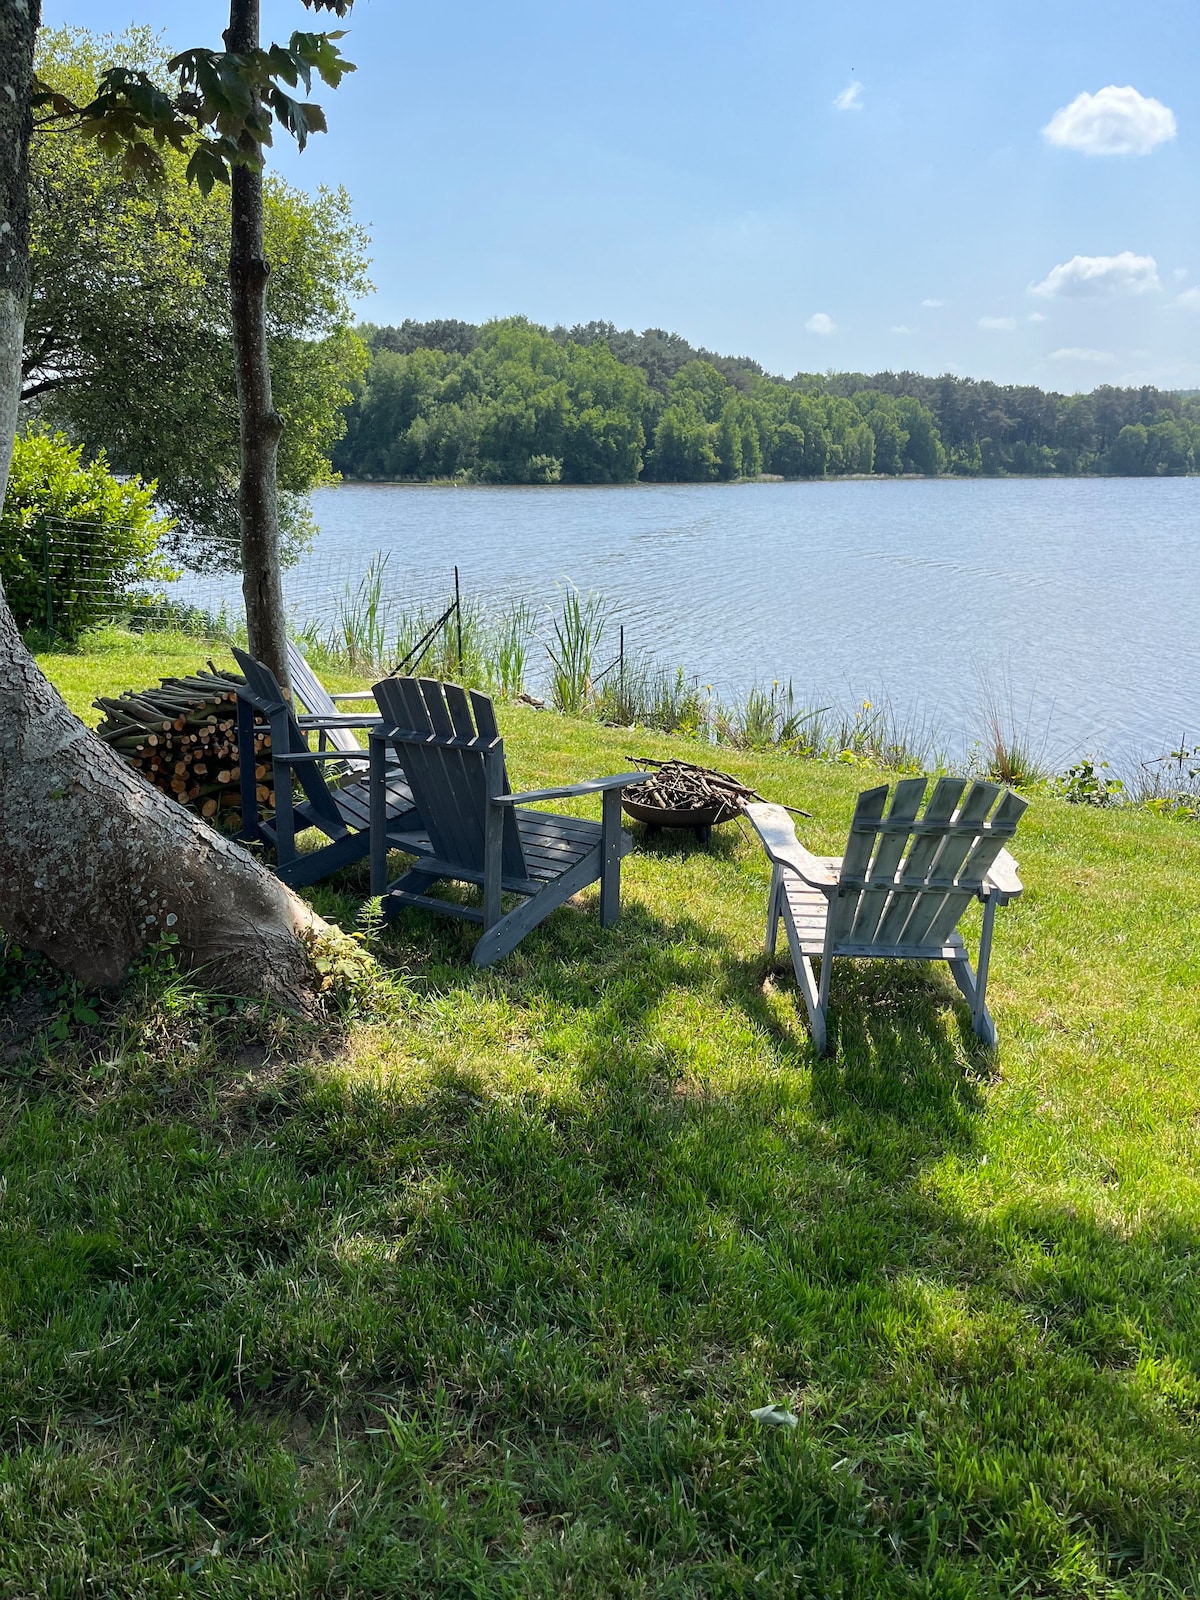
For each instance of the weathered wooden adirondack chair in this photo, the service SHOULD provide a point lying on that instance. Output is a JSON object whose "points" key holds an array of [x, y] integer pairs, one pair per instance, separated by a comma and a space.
{"points": [[341, 810], [473, 829], [899, 890]]}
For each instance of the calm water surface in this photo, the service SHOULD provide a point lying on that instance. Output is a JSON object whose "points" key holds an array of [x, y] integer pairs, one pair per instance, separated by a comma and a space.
{"points": [[1073, 602]]}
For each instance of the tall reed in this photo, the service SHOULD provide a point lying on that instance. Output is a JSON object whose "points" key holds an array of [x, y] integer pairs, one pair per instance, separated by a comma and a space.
{"points": [[508, 655], [578, 632], [1011, 752], [361, 625]]}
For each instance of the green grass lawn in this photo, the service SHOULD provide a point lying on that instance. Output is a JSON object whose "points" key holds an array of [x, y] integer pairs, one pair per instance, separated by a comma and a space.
{"points": [[471, 1293]]}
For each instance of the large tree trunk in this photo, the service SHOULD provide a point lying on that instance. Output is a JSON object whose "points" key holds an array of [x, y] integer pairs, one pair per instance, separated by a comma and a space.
{"points": [[19, 23], [261, 424], [96, 863]]}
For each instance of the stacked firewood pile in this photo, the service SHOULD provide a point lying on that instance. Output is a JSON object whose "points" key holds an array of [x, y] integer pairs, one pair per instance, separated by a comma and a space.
{"points": [[683, 786], [183, 737]]}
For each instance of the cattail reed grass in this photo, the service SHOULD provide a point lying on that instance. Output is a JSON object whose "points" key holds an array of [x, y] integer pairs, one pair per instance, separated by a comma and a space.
{"points": [[578, 632], [509, 649]]}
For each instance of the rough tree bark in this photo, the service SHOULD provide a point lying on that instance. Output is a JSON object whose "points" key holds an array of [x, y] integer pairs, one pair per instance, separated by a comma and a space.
{"points": [[96, 862], [261, 424]]}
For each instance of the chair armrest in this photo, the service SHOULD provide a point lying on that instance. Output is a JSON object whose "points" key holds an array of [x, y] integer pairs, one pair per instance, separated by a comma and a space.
{"points": [[352, 694], [620, 780], [1001, 878], [778, 834], [348, 719], [292, 758]]}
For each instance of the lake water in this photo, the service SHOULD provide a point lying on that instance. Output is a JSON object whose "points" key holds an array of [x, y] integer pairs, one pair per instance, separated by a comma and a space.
{"points": [[1072, 603]]}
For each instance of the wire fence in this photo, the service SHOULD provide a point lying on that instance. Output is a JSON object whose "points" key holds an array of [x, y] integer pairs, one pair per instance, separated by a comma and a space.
{"points": [[63, 576]]}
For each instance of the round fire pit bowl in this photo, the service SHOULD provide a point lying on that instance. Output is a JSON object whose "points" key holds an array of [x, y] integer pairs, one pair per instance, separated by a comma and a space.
{"points": [[700, 820], [682, 795]]}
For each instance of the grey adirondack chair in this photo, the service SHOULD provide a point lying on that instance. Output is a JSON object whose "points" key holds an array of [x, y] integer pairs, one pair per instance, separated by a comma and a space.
{"points": [[318, 702], [900, 889], [473, 829], [341, 809]]}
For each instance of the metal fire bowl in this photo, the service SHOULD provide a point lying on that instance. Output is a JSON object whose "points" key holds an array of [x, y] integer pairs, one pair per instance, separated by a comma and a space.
{"points": [[693, 817]]}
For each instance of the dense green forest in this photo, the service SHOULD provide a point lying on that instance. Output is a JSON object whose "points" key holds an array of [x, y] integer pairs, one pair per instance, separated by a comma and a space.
{"points": [[511, 402]]}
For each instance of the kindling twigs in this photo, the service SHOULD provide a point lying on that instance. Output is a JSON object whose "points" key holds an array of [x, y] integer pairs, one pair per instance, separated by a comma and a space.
{"points": [[683, 786], [183, 737]]}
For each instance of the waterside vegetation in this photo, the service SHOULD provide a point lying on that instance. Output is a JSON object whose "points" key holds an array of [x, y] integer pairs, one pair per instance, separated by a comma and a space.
{"points": [[576, 657]]}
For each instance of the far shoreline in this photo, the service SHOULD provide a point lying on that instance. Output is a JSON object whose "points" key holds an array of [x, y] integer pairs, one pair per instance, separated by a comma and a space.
{"points": [[767, 478]]}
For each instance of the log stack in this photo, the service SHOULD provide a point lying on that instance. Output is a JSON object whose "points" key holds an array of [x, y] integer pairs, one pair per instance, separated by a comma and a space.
{"points": [[183, 737]]}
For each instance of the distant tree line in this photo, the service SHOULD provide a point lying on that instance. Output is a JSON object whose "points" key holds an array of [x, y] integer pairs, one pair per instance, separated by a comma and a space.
{"points": [[512, 402]]}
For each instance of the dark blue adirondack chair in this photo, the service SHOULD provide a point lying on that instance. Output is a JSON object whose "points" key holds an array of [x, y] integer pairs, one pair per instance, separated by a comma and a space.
{"points": [[340, 809], [473, 829]]}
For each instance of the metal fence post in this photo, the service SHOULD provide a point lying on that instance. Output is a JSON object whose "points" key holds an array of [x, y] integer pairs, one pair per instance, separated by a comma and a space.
{"points": [[458, 619], [49, 589]]}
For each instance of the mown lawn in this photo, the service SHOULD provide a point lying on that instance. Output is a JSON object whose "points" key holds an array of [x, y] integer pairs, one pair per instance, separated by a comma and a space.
{"points": [[472, 1291]]}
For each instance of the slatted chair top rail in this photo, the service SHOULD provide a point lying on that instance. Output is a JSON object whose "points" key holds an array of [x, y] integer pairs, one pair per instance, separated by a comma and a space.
{"points": [[975, 829], [952, 845], [440, 713], [261, 687]]}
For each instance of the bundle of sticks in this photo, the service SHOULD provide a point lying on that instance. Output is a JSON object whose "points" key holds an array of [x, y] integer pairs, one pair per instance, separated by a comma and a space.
{"points": [[683, 786], [183, 737]]}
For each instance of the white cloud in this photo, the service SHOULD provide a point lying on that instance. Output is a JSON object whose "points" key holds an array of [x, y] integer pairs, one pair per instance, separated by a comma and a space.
{"points": [[820, 322], [1081, 353], [903, 327], [850, 98], [1189, 298], [1037, 316], [1100, 275], [998, 324], [933, 305], [1112, 122]]}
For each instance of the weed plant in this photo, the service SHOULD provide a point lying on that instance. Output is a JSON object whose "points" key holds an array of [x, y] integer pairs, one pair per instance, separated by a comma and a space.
{"points": [[1170, 784], [648, 695]]}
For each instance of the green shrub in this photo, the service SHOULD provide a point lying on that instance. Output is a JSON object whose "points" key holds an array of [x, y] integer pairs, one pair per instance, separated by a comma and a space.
{"points": [[73, 538]]}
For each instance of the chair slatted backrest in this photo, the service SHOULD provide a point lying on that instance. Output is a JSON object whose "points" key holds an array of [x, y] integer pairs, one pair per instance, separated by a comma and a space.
{"points": [[318, 701], [452, 759], [263, 693], [907, 877]]}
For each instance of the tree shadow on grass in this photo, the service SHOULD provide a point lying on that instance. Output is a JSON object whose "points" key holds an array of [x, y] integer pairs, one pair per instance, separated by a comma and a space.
{"points": [[570, 1288]]}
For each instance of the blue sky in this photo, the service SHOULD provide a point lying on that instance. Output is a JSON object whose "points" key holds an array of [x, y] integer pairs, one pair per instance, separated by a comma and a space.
{"points": [[712, 169]]}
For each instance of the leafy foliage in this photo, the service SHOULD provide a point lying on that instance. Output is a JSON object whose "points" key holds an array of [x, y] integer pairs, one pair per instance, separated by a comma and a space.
{"points": [[105, 535], [128, 344], [446, 398], [218, 110]]}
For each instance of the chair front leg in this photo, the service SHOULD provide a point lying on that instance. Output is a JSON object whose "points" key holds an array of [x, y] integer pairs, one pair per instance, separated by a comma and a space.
{"points": [[377, 794], [493, 863], [285, 821], [985, 1028], [773, 909], [610, 858]]}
